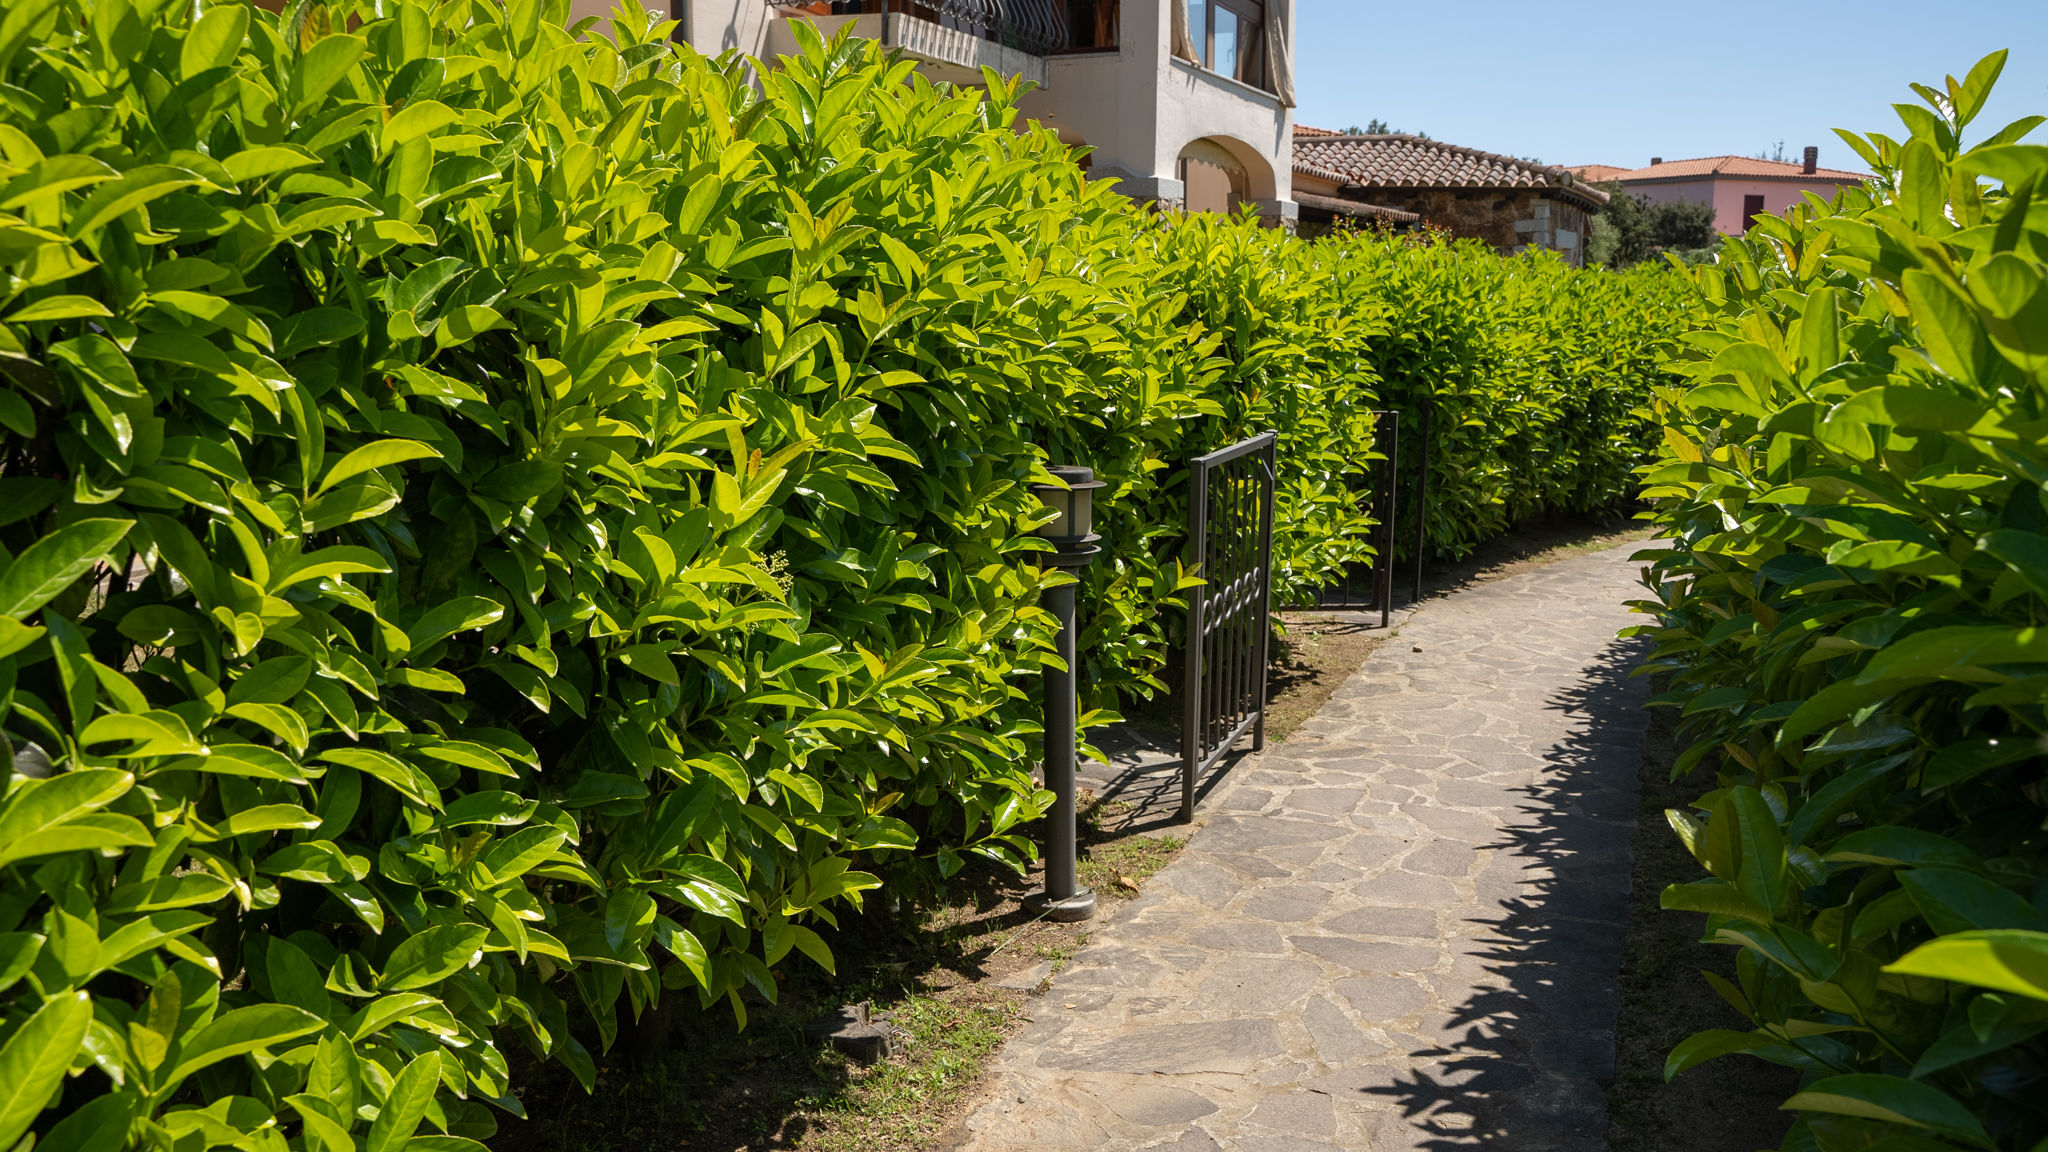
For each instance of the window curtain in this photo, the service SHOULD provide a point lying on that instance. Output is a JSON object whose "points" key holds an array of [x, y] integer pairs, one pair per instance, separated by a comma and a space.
{"points": [[1279, 60], [1183, 40]]}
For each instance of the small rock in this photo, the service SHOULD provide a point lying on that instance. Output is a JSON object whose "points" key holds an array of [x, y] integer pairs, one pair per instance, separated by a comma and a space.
{"points": [[852, 1031]]}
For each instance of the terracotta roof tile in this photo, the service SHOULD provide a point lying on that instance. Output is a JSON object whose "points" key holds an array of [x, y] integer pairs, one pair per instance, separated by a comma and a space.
{"points": [[1397, 160], [1595, 173], [1743, 166], [1301, 130], [1302, 168]]}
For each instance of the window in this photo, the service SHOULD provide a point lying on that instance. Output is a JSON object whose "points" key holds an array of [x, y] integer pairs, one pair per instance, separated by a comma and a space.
{"points": [[1092, 25], [1227, 35], [1752, 207]]}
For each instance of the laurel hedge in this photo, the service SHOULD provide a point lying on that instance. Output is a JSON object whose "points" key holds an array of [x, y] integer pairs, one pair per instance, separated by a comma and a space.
{"points": [[497, 527], [1849, 602], [1536, 376]]}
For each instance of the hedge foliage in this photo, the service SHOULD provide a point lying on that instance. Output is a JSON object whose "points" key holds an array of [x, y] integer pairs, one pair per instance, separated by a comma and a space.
{"points": [[496, 526], [1537, 374], [1850, 607]]}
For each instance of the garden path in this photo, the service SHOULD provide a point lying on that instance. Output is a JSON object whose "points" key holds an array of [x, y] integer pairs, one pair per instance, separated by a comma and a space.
{"points": [[1400, 929]]}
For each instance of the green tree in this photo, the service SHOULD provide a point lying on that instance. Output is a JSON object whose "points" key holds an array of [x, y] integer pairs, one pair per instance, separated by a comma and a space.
{"points": [[1634, 229], [1379, 127]]}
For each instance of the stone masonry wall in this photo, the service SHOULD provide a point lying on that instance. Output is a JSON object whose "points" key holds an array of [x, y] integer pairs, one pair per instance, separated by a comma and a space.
{"points": [[1510, 219]]}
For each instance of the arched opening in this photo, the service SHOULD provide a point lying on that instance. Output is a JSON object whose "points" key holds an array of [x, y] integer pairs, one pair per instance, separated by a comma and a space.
{"points": [[1221, 173]]}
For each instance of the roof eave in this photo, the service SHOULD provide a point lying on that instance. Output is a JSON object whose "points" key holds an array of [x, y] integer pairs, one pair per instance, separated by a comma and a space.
{"points": [[1793, 178]]}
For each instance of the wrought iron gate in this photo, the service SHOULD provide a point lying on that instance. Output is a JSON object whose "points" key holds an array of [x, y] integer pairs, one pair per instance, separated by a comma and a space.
{"points": [[1371, 589], [1230, 531]]}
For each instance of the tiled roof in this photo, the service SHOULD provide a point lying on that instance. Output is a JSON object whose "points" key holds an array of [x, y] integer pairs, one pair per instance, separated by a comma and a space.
{"points": [[1595, 173], [1301, 130], [1304, 169], [1747, 167], [1397, 160]]}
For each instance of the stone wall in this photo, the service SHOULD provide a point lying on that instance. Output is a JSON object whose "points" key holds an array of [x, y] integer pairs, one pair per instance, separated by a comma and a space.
{"points": [[1510, 219]]}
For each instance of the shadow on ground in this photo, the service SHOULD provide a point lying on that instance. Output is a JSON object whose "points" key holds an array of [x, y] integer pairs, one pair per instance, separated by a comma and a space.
{"points": [[1139, 784], [1535, 1040]]}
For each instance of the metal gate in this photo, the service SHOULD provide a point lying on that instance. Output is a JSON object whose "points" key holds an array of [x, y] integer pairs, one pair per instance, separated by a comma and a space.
{"points": [[1371, 589], [1230, 534]]}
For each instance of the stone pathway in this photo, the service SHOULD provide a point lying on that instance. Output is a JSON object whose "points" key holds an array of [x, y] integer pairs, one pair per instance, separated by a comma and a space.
{"points": [[1399, 930]]}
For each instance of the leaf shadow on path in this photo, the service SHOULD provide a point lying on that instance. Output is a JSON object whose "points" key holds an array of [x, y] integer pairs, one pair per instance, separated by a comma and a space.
{"points": [[1523, 1061]]}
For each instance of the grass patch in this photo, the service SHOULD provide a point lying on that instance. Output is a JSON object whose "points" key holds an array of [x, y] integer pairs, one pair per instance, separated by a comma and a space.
{"points": [[902, 1103], [1118, 869]]}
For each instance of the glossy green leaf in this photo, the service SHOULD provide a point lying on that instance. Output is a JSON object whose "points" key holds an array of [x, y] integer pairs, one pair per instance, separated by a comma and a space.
{"points": [[1895, 1100], [434, 954], [241, 1031], [54, 562], [380, 454]]}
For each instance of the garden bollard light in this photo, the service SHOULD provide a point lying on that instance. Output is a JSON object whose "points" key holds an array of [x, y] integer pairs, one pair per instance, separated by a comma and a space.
{"points": [[1074, 547]]}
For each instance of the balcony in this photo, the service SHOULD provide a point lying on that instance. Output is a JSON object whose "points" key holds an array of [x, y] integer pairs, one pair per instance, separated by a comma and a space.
{"points": [[955, 39]]}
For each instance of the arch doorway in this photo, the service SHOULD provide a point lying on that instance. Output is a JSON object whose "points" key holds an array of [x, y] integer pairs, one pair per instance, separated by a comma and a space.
{"points": [[1221, 174]]}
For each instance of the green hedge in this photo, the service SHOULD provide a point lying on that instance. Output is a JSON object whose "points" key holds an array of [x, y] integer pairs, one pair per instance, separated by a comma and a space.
{"points": [[1538, 376], [1849, 604], [496, 526]]}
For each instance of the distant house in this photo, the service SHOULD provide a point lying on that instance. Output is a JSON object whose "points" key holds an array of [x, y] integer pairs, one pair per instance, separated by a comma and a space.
{"points": [[1739, 187], [1187, 103], [1509, 203]]}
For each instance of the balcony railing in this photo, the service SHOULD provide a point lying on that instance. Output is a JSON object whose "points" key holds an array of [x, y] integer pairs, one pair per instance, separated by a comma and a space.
{"points": [[1039, 27]]}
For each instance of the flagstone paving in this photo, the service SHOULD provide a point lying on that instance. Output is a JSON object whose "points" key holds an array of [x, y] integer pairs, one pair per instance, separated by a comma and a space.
{"points": [[1401, 929]]}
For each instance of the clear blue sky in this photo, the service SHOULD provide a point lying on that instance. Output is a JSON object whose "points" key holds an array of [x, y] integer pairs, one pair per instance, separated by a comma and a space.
{"points": [[1611, 83]]}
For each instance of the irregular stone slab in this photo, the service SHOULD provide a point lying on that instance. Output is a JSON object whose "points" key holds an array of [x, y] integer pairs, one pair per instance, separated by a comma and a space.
{"points": [[1215, 1046], [1383, 997], [1256, 986], [1286, 905], [1299, 1113], [1158, 1104], [1329, 801], [1338, 1040], [1238, 938], [1250, 833], [1368, 955], [1380, 921], [1398, 931]]}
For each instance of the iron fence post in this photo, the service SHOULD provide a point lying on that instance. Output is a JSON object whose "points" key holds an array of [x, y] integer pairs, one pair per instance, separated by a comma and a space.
{"points": [[1427, 412], [1263, 618], [1191, 660], [1389, 511]]}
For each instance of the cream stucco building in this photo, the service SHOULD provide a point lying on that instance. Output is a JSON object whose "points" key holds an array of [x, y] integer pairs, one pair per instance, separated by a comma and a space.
{"points": [[1184, 102]]}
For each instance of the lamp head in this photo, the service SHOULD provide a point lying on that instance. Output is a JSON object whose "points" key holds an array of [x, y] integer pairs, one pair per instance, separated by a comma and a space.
{"points": [[1074, 501], [1071, 530]]}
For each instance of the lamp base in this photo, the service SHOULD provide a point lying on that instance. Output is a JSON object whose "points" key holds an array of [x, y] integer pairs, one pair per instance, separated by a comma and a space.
{"points": [[1071, 552], [1079, 906]]}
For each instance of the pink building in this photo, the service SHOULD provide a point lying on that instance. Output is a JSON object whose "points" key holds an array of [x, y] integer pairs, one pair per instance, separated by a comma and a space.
{"points": [[1739, 187]]}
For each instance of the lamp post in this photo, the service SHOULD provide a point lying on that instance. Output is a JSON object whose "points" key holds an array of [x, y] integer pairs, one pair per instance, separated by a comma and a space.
{"points": [[1074, 546]]}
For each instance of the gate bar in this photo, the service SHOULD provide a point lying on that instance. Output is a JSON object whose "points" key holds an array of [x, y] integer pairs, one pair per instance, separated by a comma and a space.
{"points": [[1427, 411], [1231, 609]]}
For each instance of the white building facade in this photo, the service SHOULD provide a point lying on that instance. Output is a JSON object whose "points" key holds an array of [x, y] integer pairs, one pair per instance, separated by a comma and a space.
{"points": [[1188, 103]]}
